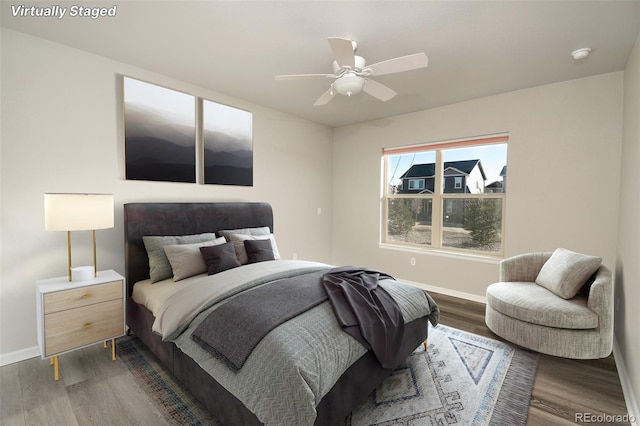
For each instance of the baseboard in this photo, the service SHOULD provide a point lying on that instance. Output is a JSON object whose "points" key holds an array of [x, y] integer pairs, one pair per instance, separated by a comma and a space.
{"points": [[449, 292], [627, 390], [17, 356]]}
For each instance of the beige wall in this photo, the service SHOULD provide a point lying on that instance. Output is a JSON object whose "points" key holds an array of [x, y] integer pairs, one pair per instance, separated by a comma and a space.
{"points": [[563, 157], [627, 285], [61, 132]]}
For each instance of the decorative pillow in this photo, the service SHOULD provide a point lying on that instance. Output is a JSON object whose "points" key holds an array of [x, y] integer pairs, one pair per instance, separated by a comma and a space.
{"points": [[241, 252], [259, 250], [186, 259], [219, 258], [263, 230], [566, 272], [159, 266]]}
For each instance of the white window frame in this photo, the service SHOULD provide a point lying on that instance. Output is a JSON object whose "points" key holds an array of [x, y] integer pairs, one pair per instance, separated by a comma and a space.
{"points": [[437, 198]]}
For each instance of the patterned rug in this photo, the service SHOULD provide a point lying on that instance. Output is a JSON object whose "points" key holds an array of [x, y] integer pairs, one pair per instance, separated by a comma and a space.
{"points": [[462, 379]]}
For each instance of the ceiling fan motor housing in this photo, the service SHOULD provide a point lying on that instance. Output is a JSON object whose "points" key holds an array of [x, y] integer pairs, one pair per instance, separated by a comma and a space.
{"points": [[360, 62]]}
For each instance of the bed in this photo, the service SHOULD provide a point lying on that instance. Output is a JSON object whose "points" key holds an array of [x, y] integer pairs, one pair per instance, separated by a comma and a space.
{"points": [[328, 402]]}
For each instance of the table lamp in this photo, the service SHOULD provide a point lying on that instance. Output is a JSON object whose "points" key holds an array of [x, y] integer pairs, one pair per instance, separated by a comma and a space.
{"points": [[78, 212]]}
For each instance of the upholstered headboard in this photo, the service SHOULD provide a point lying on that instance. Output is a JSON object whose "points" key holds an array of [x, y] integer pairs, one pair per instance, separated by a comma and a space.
{"points": [[142, 219]]}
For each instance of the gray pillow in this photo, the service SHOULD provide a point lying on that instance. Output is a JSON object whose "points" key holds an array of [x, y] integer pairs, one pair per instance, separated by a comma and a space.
{"points": [[566, 272], [186, 259], [263, 230], [159, 266]]}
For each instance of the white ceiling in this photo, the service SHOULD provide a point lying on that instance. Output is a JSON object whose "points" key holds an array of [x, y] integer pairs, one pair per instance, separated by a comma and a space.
{"points": [[475, 48]]}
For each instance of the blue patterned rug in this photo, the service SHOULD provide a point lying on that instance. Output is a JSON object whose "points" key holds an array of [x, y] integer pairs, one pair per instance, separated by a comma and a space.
{"points": [[462, 379]]}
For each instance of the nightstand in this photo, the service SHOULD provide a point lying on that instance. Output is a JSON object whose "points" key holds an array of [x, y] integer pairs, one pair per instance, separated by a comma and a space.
{"points": [[72, 315]]}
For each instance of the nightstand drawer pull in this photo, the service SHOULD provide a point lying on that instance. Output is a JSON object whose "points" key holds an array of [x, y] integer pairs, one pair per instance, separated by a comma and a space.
{"points": [[86, 296], [88, 325]]}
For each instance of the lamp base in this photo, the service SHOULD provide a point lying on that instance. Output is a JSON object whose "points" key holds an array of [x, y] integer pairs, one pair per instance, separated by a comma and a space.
{"points": [[81, 273]]}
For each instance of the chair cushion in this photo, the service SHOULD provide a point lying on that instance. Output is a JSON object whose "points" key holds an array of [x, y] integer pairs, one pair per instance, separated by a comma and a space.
{"points": [[535, 304], [566, 272]]}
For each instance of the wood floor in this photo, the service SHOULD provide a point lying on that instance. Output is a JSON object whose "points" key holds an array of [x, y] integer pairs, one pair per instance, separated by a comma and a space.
{"points": [[93, 390]]}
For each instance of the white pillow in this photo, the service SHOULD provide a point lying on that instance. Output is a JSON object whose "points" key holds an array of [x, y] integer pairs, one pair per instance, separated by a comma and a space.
{"points": [[241, 252], [186, 259], [566, 272]]}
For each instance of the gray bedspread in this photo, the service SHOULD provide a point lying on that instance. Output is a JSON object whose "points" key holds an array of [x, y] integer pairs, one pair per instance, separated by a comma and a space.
{"points": [[233, 330], [296, 364]]}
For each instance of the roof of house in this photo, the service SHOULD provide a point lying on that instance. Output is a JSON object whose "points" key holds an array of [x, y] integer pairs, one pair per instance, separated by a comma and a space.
{"points": [[429, 169]]}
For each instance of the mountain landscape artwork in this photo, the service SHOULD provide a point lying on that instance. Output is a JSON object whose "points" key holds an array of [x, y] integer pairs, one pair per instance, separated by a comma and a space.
{"points": [[159, 133], [228, 145]]}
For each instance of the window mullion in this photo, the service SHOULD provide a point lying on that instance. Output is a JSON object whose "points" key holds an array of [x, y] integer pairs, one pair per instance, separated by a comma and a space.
{"points": [[436, 221]]}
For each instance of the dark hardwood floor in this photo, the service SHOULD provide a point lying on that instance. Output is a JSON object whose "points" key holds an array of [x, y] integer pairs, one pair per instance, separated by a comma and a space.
{"points": [[565, 391], [97, 391]]}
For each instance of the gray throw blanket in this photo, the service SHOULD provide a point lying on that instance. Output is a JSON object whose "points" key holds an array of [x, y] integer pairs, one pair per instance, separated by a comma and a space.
{"points": [[366, 311], [233, 330]]}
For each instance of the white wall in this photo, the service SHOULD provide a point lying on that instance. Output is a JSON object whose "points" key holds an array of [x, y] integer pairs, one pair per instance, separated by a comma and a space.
{"points": [[563, 158], [627, 286], [62, 132]]}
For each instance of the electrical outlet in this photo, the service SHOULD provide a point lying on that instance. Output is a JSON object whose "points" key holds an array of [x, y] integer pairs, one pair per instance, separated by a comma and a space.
{"points": [[295, 256], [412, 261]]}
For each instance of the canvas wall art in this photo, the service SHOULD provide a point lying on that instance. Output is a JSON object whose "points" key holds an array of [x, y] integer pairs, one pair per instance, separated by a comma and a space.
{"points": [[159, 133], [228, 145]]}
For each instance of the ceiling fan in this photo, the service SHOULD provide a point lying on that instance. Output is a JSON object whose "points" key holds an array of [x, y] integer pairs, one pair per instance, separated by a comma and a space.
{"points": [[350, 72]]}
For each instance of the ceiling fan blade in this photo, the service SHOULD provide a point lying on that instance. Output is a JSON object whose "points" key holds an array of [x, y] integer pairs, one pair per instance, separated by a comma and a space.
{"points": [[403, 63], [326, 97], [303, 76], [343, 51], [379, 91]]}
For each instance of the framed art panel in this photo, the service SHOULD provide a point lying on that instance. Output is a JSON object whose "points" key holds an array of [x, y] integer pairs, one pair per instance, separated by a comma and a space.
{"points": [[228, 144], [159, 133]]}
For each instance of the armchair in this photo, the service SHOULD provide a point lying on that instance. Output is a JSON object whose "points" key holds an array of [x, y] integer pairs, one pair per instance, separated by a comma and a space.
{"points": [[531, 316]]}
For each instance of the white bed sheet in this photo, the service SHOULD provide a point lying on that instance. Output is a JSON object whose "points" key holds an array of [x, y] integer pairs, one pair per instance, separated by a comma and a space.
{"points": [[153, 296]]}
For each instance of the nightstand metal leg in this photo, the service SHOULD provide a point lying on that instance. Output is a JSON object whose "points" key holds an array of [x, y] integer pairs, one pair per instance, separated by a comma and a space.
{"points": [[105, 344], [425, 344], [113, 349]]}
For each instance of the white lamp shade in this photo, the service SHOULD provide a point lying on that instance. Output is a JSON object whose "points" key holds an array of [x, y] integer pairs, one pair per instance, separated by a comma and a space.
{"points": [[349, 84], [78, 212]]}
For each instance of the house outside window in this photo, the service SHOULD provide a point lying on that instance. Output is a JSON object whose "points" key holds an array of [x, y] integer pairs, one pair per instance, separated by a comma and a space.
{"points": [[460, 202]]}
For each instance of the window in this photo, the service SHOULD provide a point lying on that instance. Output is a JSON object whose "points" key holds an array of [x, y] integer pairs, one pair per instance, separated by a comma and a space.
{"points": [[446, 195], [416, 183], [458, 182]]}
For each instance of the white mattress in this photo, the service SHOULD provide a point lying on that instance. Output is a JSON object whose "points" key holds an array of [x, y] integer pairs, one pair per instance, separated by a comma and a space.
{"points": [[154, 295]]}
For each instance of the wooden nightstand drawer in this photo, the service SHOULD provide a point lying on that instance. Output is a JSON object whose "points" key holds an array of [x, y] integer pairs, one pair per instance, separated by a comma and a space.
{"points": [[83, 296], [74, 328]]}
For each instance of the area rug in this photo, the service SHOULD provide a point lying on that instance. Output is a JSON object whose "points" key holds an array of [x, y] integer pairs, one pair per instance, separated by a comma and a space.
{"points": [[461, 379]]}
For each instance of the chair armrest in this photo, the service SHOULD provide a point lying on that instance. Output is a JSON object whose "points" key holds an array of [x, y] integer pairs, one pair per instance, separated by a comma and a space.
{"points": [[524, 267], [600, 298]]}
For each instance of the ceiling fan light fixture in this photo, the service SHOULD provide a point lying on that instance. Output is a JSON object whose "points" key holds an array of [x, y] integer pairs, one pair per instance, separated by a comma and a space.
{"points": [[349, 84]]}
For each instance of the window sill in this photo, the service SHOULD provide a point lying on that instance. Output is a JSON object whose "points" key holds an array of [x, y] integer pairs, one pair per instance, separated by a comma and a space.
{"points": [[476, 257]]}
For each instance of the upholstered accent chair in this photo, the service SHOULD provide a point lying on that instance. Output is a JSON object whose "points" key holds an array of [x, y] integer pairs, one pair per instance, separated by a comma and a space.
{"points": [[534, 307]]}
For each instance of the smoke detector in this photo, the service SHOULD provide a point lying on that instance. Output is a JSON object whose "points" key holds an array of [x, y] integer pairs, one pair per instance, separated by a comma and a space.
{"points": [[580, 53]]}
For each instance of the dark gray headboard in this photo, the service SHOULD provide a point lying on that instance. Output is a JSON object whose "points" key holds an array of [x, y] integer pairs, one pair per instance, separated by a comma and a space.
{"points": [[182, 219]]}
